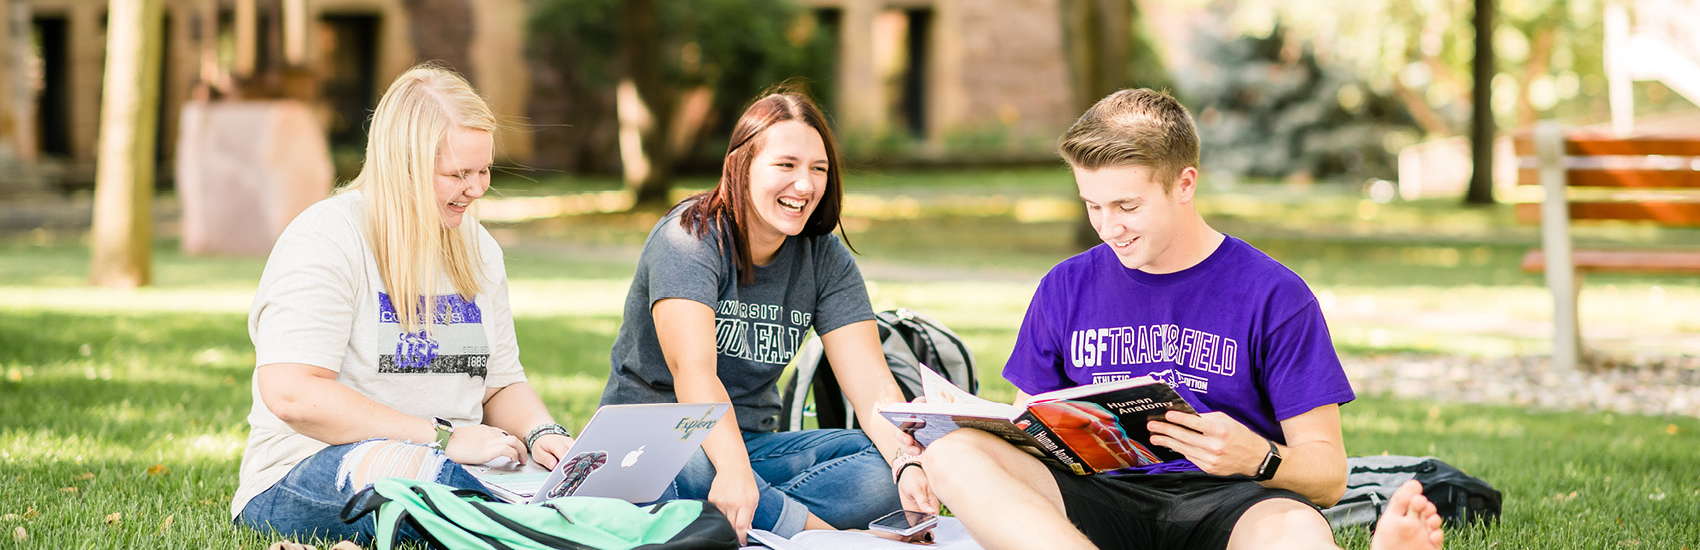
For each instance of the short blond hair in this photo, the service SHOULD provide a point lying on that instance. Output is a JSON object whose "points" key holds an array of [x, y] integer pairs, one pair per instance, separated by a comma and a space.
{"points": [[1134, 127], [409, 128]]}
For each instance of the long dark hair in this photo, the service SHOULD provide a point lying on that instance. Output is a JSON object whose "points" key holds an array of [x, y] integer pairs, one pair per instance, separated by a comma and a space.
{"points": [[729, 202]]}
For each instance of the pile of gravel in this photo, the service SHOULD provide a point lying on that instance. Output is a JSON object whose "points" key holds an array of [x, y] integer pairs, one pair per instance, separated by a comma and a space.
{"points": [[1637, 385]]}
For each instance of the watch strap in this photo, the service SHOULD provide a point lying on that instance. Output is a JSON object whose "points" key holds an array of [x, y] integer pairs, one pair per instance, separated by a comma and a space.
{"points": [[542, 430], [445, 429], [1271, 462]]}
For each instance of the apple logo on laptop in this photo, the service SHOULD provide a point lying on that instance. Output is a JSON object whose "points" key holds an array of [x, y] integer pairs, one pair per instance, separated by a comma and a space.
{"points": [[632, 457]]}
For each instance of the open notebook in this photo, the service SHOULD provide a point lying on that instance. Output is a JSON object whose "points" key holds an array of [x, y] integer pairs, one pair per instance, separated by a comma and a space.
{"points": [[948, 535]]}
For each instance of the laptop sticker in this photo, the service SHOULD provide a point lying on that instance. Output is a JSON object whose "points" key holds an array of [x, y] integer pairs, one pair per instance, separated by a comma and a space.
{"points": [[579, 468]]}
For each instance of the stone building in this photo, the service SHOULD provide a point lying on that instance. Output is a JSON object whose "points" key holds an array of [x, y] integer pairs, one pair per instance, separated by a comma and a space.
{"points": [[954, 73], [956, 76], [351, 49]]}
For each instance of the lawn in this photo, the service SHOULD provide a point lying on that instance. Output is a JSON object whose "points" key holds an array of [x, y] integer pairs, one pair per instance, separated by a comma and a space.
{"points": [[122, 413]]}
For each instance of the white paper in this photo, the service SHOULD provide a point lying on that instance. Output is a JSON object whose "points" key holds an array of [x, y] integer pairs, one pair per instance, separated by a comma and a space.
{"points": [[948, 535]]}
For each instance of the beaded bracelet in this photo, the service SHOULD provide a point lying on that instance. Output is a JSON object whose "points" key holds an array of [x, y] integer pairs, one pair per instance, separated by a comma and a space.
{"points": [[544, 429]]}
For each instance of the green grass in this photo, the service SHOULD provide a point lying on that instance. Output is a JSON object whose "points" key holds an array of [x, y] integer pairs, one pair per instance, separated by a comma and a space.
{"points": [[133, 402]]}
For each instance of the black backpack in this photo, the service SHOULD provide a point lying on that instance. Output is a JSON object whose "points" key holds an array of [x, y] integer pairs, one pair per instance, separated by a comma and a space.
{"points": [[908, 338], [1370, 480]]}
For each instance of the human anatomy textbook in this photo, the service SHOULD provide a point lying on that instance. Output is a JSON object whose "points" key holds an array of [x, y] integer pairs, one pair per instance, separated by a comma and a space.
{"points": [[1084, 429]]}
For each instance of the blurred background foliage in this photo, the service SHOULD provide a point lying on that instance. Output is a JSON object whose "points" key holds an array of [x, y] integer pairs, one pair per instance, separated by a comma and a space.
{"points": [[1297, 90], [718, 55]]}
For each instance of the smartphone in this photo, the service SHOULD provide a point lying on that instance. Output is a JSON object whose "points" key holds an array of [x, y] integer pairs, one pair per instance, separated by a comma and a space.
{"points": [[904, 523]]}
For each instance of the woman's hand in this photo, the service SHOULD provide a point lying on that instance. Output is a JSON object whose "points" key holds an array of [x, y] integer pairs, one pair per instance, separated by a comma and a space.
{"points": [[477, 444], [736, 495], [917, 492], [549, 449]]}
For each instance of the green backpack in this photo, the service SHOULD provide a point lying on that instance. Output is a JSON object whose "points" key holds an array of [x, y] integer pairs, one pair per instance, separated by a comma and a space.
{"points": [[457, 519]]}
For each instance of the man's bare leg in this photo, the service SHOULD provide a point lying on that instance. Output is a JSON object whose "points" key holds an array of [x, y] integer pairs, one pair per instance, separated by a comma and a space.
{"points": [[1281, 524], [1410, 522], [1005, 497]]}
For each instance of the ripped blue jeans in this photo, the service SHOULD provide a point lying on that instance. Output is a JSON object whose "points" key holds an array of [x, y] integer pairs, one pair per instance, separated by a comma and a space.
{"points": [[838, 475], [305, 503]]}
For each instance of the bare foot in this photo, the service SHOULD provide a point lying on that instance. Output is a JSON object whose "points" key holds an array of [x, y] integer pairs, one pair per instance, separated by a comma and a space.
{"points": [[1410, 522]]}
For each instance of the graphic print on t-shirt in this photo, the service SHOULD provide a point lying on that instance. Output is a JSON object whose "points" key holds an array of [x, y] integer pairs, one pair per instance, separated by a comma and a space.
{"points": [[1154, 345], [455, 344], [764, 333]]}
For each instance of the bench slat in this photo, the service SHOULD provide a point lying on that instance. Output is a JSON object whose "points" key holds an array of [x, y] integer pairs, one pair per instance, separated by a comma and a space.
{"points": [[1680, 214], [1637, 261], [1618, 178], [1584, 143]]}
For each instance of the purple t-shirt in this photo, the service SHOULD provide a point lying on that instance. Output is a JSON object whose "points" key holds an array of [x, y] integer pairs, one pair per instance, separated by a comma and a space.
{"points": [[1238, 333]]}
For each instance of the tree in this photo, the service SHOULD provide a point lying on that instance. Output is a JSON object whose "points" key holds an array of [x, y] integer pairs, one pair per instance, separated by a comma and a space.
{"points": [[1097, 35], [23, 101], [645, 104], [122, 236], [442, 30], [1546, 57], [672, 96], [1481, 100]]}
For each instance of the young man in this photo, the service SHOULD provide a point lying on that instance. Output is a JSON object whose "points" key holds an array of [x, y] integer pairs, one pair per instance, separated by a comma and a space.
{"points": [[1233, 331]]}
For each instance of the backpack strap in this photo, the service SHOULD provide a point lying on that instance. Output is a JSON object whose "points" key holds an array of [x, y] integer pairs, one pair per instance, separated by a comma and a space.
{"points": [[945, 344], [551, 540], [796, 394], [368, 501], [460, 496]]}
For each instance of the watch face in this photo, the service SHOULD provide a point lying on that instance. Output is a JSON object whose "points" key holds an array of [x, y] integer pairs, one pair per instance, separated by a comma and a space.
{"points": [[1271, 461]]}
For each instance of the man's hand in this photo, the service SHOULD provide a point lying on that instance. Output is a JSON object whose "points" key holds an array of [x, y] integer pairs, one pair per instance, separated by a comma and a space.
{"points": [[1214, 442], [477, 444], [736, 495], [549, 449]]}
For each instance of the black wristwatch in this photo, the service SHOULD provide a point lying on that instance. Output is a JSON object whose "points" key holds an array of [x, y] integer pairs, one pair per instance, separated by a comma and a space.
{"points": [[1271, 462]]}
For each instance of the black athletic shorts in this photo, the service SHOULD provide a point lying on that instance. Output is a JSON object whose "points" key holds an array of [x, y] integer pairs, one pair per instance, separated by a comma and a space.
{"points": [[1190, 510]]}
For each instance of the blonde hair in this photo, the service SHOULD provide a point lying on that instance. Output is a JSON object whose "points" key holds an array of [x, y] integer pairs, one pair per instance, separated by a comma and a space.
{"points": [[409, 128], [1142, 127]]}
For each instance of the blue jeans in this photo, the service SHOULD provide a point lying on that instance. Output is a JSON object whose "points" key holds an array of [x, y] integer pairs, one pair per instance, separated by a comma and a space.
{"points": [[837, 474], [306, 502]]}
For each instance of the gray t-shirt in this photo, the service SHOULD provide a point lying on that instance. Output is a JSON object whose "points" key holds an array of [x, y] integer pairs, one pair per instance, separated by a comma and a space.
{"points": [[812, 281]]}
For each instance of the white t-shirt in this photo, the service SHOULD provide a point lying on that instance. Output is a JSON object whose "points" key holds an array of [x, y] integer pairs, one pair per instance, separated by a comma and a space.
{"points": [[321, 302]]}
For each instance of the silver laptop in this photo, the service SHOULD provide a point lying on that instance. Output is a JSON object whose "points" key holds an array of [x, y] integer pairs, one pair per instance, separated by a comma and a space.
{"points": [[629, 452]]}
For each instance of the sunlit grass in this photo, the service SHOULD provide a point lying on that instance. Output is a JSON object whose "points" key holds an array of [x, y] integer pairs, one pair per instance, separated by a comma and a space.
{"points": [[134, 401]]}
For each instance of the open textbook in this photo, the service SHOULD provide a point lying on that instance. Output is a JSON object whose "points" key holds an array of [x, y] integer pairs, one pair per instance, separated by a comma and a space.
{"points": [[949, 534], [1084, 429]]}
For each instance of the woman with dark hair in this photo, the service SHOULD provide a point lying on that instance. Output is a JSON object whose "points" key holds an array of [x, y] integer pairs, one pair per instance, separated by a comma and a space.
{"points": [[729, 283]]}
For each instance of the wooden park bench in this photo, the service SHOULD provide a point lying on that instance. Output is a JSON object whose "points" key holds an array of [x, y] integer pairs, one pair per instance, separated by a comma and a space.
{"points": [[1590, 175]]}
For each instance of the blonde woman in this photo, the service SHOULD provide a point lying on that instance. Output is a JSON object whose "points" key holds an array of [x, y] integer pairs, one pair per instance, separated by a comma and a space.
{"points": [[383, 338]]}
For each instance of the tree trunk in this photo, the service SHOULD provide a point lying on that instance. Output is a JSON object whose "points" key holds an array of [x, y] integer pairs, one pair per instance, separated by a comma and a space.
{"points": [[122, 236], [1481, 123], [644, 105], [442, 30], [22, 50], [1097, 33]]}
